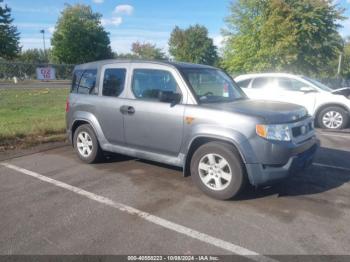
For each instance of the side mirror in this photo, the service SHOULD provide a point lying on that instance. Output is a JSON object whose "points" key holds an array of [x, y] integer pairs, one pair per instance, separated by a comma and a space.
{"points": [[307, 89], [169, 97]]}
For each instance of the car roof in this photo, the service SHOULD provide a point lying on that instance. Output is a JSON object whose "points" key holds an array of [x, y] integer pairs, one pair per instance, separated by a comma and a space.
{"points": [[178, 65], [248, 76]]}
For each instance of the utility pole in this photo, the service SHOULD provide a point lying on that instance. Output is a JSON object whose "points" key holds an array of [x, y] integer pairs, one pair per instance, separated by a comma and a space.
{"points": [[340, 63], [43, 32]]}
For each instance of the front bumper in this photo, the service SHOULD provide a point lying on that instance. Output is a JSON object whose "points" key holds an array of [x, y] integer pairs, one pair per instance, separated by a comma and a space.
{"points": [[260, 174]]}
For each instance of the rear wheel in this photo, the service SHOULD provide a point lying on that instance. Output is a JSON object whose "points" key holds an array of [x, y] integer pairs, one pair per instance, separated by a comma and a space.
{"points": [[333, 118], [216, 168], [86, 144]]}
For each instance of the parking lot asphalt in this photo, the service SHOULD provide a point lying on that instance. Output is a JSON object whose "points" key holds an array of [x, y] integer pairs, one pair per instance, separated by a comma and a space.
{"points": [[51, 203]]}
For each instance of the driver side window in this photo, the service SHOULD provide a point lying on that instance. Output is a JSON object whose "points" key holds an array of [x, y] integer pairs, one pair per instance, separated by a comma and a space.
{"points": [[148, 83], [289, 84]]}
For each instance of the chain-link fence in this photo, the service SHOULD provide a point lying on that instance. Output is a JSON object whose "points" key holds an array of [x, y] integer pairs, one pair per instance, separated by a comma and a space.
{"points": [[30, 75], [28, 71]]}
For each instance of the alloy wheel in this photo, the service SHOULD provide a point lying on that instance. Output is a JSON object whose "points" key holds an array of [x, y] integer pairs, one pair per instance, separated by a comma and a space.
{"points": [[214, 171], [332, 119], [84, 144]]}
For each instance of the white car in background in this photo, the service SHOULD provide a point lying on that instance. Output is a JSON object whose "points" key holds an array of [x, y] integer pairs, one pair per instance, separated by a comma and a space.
{"points": [[331, 108]]}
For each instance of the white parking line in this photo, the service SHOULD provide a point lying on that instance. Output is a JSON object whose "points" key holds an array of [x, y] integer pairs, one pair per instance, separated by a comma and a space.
{"points": [[334, 167], [334, 135], [238, 250]]}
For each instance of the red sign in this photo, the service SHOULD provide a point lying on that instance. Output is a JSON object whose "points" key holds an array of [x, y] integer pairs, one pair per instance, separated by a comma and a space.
{"points": [[45, 73]]}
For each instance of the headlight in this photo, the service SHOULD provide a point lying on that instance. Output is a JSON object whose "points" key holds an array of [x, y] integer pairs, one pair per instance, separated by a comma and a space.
{"points": [[274, 132]]}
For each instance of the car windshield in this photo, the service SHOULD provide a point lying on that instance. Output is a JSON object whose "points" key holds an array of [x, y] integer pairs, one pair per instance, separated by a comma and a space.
{"points": [[318, 84], [212, 85]]}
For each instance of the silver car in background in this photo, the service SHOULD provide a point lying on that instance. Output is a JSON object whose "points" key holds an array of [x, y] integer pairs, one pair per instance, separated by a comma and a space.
{"points": [[190, 116], [331, 108]]}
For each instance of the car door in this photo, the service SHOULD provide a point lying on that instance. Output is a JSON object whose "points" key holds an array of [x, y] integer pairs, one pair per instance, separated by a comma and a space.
{"points": [[112, 94], [149, 124], [295, 91]]}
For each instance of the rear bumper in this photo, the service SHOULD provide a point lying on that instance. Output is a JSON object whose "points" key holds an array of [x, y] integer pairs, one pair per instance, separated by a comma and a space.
{"points": [[69, 136], [260, 174]]}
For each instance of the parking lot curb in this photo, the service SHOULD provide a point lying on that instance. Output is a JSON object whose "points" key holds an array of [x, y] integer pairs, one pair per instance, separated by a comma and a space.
{"points": [[15, 153]]}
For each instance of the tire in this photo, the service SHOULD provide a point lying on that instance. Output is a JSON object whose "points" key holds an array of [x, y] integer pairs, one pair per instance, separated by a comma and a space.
{"points": [[209, 178], [85, 141], [333, 113]]}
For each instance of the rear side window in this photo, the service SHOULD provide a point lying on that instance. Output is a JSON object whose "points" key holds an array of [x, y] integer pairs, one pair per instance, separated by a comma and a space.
{"points": [[76, 79], [84, 81], [87, 82], [261, 82], [147, 83], [244, 83], [113, 81]]}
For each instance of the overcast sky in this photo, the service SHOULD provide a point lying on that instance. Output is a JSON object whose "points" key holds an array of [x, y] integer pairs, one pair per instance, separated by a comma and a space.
{"points": [[130, 20]]}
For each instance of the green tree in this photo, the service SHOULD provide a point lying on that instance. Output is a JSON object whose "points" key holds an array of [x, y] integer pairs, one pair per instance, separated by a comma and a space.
{"points": [[147, 51], [193, 45], [36, 56], [9, 36], [124, 56], [346, 60], [299, 36], [79, 36]]}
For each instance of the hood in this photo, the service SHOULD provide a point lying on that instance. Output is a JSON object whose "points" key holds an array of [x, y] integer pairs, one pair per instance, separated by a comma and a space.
{"points": [[272, 112], [345, 91]]}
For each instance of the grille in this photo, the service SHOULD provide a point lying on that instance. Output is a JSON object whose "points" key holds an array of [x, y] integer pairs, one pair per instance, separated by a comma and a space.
{"points": [[302, 129]]}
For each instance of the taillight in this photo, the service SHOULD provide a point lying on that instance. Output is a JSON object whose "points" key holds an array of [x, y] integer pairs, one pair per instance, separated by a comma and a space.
{"points": [[67, 105]]}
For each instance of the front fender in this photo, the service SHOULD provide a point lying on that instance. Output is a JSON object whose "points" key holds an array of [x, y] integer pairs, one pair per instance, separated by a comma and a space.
{"points": [[235, 137]]}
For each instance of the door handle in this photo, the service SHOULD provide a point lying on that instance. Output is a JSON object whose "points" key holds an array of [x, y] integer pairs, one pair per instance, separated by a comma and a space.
{"points": [[131, 110], [127, 110]]}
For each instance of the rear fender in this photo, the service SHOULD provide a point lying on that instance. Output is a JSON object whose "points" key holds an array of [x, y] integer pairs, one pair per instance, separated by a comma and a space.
{"points": [[92, 120]]}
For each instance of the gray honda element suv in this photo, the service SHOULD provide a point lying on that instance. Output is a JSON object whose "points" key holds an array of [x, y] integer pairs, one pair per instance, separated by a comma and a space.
{"points": [[187, 115]]}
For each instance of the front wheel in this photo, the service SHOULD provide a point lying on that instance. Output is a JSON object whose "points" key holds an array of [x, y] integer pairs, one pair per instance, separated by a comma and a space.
{"points": [[333, 118], [217, 170]]}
